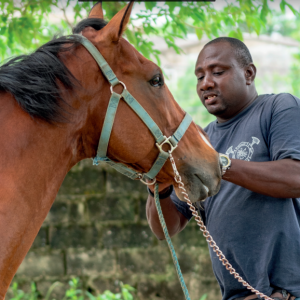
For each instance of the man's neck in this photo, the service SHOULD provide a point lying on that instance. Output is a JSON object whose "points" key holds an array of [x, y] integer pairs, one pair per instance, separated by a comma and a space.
{"points": [[248, 103]]}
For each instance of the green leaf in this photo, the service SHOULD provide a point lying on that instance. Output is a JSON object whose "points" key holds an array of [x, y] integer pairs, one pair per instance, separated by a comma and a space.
{"points": [[236, 34], [203, 297], [282, 6], [150, 5], [199, 33], [264, 11], [171, 5], [182, 27], [292, 9]]}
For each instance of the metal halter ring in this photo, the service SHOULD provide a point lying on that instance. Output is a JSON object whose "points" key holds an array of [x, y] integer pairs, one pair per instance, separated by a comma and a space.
{"points": [[141, 176], [166, 141], [124, 87]]}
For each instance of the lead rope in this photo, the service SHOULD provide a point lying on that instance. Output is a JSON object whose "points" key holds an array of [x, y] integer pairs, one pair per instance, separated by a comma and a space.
{"points": [[206, 234], [172, 250]]}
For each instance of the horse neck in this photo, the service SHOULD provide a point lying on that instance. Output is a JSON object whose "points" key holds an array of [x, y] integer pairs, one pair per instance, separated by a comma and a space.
{"points": [[35, 157]]}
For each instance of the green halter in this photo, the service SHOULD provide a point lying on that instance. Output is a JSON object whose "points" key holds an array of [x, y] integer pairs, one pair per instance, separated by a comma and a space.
{"points": [[140, 111]]}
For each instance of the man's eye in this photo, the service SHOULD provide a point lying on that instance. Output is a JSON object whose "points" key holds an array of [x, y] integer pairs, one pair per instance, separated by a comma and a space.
{"points": [[157, 81], [219, 73], [200, 78]]}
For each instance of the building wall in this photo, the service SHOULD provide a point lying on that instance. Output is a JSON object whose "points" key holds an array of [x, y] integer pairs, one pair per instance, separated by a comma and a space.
{"points": [[97, 230]]}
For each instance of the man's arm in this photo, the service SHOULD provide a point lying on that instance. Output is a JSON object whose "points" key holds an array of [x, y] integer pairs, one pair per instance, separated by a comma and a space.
{"points": [[280, 178], [175, 220]]}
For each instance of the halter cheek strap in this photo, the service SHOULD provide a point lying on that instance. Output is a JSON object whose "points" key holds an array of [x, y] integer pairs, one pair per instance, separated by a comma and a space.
{"points": [[141, 112]]}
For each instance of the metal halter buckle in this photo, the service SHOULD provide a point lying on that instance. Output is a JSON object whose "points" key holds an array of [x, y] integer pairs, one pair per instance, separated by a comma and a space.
{"points": [[124, 87], [166, 141], [141, 176]]}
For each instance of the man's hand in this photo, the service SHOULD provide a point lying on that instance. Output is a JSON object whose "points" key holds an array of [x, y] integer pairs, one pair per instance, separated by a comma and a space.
{"points": [[175, 220]]}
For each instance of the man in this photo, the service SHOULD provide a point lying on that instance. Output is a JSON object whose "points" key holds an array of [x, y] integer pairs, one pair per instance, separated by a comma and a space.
{"points": [[255, 218]]}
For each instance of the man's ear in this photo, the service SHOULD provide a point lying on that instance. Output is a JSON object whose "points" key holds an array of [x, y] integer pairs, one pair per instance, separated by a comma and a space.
{"points": [[250, 73], [117, 25], [96, 11]]}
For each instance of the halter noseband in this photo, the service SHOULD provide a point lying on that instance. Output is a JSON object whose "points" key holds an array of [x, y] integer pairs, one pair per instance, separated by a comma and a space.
{"points": [[141, 112]]}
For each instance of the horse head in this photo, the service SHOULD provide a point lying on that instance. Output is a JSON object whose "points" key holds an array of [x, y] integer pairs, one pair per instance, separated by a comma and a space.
{"points": [[131, 142]]}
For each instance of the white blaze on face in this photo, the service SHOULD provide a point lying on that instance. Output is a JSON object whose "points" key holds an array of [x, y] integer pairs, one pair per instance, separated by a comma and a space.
{"points": [[205, 139]]}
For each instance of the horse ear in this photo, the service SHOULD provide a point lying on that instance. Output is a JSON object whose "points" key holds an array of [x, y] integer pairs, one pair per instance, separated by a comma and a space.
{"points": [[96, 11], [117, 25]]}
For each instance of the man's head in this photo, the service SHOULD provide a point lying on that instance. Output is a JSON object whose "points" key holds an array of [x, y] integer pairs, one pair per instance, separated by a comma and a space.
{"points": [[225, 73]]}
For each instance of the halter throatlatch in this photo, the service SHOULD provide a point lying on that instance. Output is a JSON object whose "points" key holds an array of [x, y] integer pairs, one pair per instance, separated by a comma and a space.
{"points": [[160, 139]]}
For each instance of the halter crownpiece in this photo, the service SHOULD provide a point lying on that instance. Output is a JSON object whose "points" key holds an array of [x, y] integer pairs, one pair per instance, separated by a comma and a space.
{"points": [[160, 139]]}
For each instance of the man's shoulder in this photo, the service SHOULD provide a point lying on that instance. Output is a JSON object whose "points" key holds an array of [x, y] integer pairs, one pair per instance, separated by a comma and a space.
{"points": [[280, 102], [265, 106]]}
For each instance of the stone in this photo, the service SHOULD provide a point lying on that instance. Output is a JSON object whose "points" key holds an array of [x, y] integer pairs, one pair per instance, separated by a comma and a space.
{"points": [[91, 263], [58, 213], [84, 181], [118, 183], [126, 236], [150, 260], [111, 207], [41, 239], [73, 236], [42, 263], [191, 236]]}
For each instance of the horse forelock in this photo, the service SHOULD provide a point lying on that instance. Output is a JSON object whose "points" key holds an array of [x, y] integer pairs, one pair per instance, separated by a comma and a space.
{"points": [[95, 23], [33, 79]]}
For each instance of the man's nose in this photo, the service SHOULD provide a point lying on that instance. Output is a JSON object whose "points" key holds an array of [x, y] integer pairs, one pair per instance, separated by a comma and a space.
{"points": [[207, 83]]}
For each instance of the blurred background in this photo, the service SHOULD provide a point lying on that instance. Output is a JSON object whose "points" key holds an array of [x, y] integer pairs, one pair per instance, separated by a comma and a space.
{"points": [[96, 231]]}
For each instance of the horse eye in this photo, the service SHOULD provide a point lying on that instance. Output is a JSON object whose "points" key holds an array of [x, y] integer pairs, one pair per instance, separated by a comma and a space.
{"points": [[156, 81]]}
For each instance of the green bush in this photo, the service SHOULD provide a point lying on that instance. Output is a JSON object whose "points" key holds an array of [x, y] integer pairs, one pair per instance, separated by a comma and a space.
{"points": [[75, 293]]}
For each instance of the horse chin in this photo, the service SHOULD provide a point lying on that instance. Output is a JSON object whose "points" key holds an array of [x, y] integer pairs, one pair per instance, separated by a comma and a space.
{"points": [[194, 195], [198, 187]]}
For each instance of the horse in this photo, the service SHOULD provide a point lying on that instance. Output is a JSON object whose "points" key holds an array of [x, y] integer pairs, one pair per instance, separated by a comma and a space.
{"points": [[53, 105]]}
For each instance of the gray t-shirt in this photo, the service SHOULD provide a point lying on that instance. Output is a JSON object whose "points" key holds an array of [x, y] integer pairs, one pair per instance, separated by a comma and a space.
{"points": [[259, 235]]}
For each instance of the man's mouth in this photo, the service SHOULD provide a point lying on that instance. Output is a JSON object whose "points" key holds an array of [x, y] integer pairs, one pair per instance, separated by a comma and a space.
{"points": [[209, 99]]}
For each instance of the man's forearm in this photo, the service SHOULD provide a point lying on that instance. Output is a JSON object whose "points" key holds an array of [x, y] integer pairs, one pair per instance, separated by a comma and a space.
{"points": [[280, 179], [175, 221]]}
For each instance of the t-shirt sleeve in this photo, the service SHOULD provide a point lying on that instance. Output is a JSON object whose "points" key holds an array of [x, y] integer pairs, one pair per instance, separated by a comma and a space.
{"points": [[284, 132], [181, 206]]}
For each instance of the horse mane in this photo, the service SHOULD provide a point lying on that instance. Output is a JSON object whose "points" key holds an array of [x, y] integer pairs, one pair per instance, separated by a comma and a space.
{"points": [[33, 79]]}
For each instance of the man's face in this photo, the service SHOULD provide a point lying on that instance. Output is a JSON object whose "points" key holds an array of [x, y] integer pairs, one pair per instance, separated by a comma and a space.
{"points": [[222, 84]]}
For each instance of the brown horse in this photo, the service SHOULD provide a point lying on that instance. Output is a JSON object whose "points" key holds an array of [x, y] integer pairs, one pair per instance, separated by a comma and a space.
{"points": [[53, 103]]}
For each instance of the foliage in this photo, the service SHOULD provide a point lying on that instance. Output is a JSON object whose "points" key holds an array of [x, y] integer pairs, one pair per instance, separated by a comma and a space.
{"points": [[21, 295], [26, 24], [295, 71], [75, 293], [203, 297], [184, 92], [290, 27]]}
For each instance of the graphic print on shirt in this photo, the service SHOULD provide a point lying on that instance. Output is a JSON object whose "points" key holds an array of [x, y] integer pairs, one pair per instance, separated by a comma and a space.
{"points": [[244, 150]]}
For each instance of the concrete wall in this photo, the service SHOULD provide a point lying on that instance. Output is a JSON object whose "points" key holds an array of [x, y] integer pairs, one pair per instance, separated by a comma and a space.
{"points": [[97, 231]]}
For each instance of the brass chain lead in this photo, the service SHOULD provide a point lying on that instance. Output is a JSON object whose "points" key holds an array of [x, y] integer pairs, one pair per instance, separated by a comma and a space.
{"points": [[209, 238]]}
